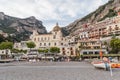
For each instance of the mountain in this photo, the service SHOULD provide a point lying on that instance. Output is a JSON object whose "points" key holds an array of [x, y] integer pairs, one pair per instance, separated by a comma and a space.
{"points": [[107, 10], [20, 28]]}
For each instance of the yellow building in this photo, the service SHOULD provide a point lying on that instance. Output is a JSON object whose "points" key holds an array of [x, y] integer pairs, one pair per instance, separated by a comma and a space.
{"points": [[54, 39]]}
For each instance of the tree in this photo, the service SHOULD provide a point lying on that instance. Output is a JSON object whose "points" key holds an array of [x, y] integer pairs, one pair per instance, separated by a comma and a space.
{"points": [[46, 50], [40, 51], [6, 45], [54, 49], [24, 51], [115, 45], [18, 51], [30, 45], [15, 50], [43, 50]]}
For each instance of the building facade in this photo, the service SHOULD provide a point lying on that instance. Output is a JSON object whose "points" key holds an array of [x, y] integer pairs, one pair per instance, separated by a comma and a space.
{"points": [[91, 35], [5, 53], [54, 39]]}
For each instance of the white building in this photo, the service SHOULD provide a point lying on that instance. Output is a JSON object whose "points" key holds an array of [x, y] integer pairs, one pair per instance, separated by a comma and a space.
{"points": [[21, 45], [5, 53]]}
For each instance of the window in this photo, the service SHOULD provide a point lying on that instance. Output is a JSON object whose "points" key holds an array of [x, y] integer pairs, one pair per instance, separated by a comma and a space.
{"points": [[110, 28], [54, 37], [71, 52], [40, 44], [63, 52], [71, 48], [45, 38], [41, 39], [48, 38], [55, 44], [55, 33], [96, 52], [2, 51], [90, 52], [38, 39], [84, 52], [116, 27], [49, 44], [44, 44], [63, 49], [34, 39]]}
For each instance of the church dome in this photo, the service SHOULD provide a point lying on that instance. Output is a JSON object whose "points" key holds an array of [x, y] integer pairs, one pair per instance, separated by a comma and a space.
{"points": [[56, 28]]}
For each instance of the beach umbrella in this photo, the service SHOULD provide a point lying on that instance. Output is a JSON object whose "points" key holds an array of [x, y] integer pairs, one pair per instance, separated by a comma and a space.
{"points": [[101, 54]]}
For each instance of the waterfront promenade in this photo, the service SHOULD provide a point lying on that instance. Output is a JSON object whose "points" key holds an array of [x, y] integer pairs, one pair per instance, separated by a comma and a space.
{"points": [[54, 71]]}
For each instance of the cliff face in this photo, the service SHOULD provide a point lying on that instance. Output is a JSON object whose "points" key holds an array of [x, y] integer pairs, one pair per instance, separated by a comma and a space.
{"points": [[108, 10], [20, 28]]}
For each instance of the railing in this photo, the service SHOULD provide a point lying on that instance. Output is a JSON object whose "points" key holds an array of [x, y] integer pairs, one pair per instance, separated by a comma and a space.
{"points": [[105, 55]]}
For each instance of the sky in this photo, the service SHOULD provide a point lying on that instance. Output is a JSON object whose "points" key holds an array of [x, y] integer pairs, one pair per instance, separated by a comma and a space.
{"points": [[50, 11]]}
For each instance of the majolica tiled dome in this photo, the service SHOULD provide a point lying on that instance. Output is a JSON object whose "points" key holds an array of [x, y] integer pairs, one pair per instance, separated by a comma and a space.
{"points": [[56, 28]]}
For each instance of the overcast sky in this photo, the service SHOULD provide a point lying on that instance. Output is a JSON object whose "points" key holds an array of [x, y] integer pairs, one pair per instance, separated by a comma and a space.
{"points": [[50, 11]]}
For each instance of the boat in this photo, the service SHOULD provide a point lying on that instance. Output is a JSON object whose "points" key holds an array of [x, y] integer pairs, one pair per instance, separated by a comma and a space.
{"points": [[98, 64], [101, 65], [115, 65], [105, 65]]}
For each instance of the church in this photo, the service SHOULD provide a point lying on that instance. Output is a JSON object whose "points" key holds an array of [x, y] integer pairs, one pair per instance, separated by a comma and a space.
{"points": [[54, 39]]}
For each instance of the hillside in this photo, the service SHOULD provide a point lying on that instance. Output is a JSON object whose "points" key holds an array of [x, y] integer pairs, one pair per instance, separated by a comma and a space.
{"points": [[103, 12], [20, 28]]}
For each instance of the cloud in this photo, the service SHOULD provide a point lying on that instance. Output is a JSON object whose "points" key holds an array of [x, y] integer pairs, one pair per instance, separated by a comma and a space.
{"points": [[50, 11]]}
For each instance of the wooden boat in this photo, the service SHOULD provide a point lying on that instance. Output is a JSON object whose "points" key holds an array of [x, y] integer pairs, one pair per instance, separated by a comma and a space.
{"points": [[100, 65], [105, 65]]}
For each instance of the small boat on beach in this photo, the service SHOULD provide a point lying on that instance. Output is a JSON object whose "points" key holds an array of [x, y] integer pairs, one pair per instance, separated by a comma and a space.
{"points": [[105, 65], [99, 65]]}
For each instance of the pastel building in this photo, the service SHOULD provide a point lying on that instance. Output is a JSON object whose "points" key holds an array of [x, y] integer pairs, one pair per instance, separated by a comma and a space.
{"points": [[90, 35]]}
